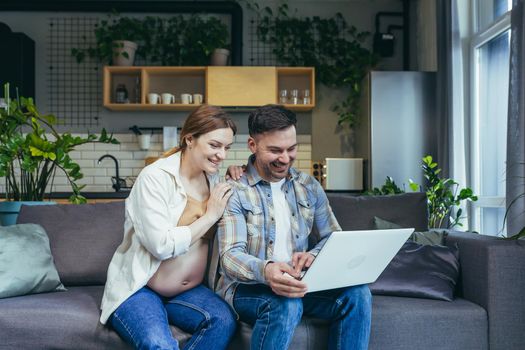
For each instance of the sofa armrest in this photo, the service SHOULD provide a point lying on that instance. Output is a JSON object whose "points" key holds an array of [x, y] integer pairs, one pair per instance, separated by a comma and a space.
{"points": [[493, 276]]}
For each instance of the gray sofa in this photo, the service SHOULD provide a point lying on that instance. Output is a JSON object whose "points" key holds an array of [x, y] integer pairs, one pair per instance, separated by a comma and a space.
{"points": [[488, 312]]}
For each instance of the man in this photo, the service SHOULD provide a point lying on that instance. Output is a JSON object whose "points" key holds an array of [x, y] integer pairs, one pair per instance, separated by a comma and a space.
{"points": [[263, 244]]}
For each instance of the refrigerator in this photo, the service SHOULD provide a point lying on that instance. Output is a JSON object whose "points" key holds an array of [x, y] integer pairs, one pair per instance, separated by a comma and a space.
{"points": [[397, 126]]}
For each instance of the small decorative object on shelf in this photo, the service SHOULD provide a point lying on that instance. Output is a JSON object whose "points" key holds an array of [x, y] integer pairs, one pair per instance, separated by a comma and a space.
{"points": [[306, 97], [137, 90], [294, 96], [121, 94], [283, 97]]}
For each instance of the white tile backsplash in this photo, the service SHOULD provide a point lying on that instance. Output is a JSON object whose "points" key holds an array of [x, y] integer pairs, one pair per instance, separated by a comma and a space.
{"points": [[97, 177]]}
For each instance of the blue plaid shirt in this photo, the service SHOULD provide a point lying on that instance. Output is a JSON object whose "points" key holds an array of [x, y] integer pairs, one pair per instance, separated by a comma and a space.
{"points": [[246, 232]]}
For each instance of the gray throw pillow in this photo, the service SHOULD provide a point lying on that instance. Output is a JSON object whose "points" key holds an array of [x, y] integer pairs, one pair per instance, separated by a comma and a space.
{"points": [[26, 264], [423, 268], [430, 237]]}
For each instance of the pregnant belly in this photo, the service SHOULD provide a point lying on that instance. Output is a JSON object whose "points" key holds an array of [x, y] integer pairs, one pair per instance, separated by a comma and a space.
{"points": [[181, 273]]}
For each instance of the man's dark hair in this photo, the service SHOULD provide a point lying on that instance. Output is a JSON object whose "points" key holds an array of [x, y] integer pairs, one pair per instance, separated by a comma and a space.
{"points": [[269, 118]]}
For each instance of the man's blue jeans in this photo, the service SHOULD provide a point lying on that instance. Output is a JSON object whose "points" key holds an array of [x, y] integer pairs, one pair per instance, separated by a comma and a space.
{"points": [[274, 318], [143, 319]]}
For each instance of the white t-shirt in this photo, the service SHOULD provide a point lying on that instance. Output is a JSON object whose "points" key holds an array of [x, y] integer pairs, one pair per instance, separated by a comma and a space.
{"points": [[283, 236]]}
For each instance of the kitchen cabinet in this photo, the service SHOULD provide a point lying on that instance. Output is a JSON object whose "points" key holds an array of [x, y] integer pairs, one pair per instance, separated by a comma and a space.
{"points": [[241, 86], [221, 86]]}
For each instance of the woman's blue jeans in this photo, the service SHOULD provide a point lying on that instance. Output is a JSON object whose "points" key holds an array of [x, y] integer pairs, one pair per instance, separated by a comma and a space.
{"points": [[274, 318], [143, 319]]}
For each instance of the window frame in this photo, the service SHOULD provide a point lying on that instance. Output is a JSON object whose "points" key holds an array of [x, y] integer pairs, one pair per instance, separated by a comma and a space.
{"points": [[478, 38]]}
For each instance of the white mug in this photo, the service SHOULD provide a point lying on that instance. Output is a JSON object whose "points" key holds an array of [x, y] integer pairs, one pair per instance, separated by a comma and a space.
{"points": [[186, 99], [153, 98], [197, 99], [167, 98]]}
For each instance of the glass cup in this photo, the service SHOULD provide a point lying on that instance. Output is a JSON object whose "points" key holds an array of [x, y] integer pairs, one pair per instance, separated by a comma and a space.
{"points": [[294, 94], [306, 97], [283, 97]]}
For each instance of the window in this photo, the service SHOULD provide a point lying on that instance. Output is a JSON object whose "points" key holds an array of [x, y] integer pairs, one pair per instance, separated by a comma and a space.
{"points": [[490, 51], [490, 10]]}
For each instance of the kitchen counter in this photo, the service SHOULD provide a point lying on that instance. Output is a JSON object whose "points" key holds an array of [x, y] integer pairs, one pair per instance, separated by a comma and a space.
{"points": [[91, 195]]}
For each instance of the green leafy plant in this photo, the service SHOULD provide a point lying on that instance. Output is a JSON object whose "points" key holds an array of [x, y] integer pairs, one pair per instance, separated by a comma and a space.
{"points": [[331, 45], [443, 199], [390, 187], [176, 40], [114, 28], [182, 41], [443, 196], [29, 158]]}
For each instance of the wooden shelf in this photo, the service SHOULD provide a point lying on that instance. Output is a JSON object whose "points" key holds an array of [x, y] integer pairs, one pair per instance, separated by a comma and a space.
{"points": [[298, 78], [149, 107], [299, 107], [221, 86]]}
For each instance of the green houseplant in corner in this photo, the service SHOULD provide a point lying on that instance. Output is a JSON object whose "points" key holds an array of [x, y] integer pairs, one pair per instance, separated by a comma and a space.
{"points": [[31, 151], [442, 196]]}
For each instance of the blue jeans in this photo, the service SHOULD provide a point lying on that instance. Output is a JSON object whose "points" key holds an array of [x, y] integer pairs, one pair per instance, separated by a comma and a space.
{"points": [[274, 318], [143, 319]]}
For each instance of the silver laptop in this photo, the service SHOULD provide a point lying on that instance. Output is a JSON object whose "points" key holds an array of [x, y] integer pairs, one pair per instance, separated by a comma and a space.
{"points": [[350, 258]]}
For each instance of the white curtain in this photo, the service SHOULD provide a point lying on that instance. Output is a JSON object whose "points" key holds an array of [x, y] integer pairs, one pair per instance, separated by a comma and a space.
{"points": [[452, 144]]}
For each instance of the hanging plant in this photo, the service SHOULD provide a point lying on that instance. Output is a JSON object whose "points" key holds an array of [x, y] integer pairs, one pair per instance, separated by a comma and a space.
{"points": [[331, 45]]}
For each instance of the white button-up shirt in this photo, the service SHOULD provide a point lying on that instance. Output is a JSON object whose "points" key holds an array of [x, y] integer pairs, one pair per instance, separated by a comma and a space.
{"points": [[151, 234]]}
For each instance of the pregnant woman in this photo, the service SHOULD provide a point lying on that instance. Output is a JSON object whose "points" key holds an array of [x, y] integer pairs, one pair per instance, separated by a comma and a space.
{"points": [[156, 275]]}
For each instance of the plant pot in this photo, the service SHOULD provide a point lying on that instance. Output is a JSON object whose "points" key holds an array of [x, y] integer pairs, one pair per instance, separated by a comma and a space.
{"points": [[9, 210], [121, 49], [219, 57]]}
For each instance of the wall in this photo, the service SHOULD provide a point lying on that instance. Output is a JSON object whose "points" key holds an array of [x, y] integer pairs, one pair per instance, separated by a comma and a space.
{"points": [[327, 139], [97, 177]]}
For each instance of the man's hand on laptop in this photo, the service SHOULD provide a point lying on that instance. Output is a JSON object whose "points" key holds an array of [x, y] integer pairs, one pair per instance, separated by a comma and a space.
{"points": [[301, 260], [275, 274]]}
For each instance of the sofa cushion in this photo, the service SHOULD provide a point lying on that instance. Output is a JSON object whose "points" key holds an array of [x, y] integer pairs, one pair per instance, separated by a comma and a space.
{"points": [[413, 323], [434, 236], [26, 264], [423, 267], [83, 237], [420, 271], [67, 320], [357, 212], [400, 324]]}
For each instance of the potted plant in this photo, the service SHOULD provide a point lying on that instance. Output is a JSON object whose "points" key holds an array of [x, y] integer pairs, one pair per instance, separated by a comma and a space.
{"points": [[32, 151], [184, 41], [215, 44], [443, 196], [116, 41], [173, 41]]}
